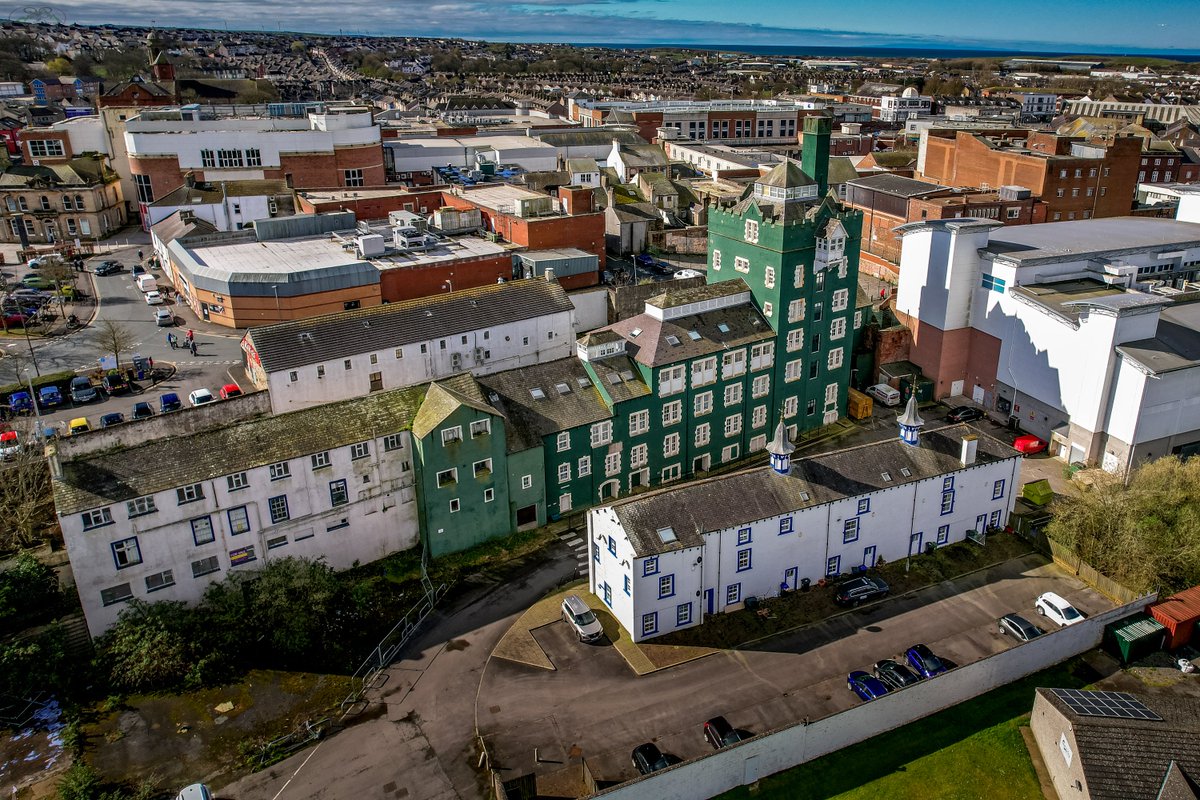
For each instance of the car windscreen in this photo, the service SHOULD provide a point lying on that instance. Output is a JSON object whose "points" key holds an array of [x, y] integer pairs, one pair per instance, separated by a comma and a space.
{"points": [[586, 618], [1069, 612]]}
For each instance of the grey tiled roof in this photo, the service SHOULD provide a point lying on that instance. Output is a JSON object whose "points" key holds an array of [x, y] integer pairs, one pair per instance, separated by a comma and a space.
{"points": [[114, 476], [620, 377], [297, 343], [443, 398], [759, 493], [529, 418], [896, 185]]}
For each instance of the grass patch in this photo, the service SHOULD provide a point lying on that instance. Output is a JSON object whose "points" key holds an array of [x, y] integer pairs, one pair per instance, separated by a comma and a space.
{"points": [[796, 609], [972, 750]]}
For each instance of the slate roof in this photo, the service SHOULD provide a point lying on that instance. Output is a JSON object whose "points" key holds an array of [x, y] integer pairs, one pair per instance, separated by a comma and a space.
{"points": [[444, 398], [590, 137], [1128, 759], [208, 193], [785, 176], [299, 342], [759, 493], [114, 476], [643, 155], [620, 377], [173, 227], [529, 418], [896, 185]]}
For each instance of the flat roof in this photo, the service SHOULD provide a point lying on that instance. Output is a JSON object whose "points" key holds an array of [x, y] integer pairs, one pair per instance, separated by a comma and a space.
{"points": [[1068, 299], [503, 141], [1089, 238], [1175, 344], [500, 196]]}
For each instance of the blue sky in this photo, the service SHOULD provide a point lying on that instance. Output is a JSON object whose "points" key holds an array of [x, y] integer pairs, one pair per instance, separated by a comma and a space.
{"points": [[1031, 24]]}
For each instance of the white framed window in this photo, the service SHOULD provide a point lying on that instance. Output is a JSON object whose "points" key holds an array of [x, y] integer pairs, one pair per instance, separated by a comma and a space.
{"points": [[798, 279], [733, 394], [795, 340], [601, 433], [716, 260], [564, 502], [841, 299], [768, 309], [671, 445], [758, 443], [639, 455], [482, 468], [451, 435], [671, 380], [360, 450], [393, 441], [319, 460], [733, 424], [759, 417], [671, 472], [639, 422], [564, 473], [769, 277], [791, 406], [703, 403], [584, 466], [760, 386], [455, 505], [729, 453], [526, 481], [563, 441], [447, 477], [704, 371], [612, 464], [796, 310], [145, 505], [672, 412], [831, 391], [97, 518], [793, 370], [481, 427], [703, 434], [733, 364], [751, 231], [762, 355], [741, 264], [187, 494], [280, 470], [835, 358], [858, 316]]}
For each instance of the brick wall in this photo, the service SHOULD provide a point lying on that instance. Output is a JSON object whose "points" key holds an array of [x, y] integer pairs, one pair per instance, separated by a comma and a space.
{"points": [[377, 207], [406, 283], [42, 134]]}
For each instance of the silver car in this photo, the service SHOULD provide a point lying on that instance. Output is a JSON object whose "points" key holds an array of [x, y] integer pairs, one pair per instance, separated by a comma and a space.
{"points": [[581, 618]]}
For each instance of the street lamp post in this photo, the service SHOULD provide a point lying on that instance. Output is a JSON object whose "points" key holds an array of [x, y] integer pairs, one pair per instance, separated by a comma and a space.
{"points": [[33, 399], [29, 341], [278, 313]]}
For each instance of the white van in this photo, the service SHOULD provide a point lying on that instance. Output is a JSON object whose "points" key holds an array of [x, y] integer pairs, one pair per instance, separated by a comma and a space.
{"points": [[147, 283], [885, 394]]}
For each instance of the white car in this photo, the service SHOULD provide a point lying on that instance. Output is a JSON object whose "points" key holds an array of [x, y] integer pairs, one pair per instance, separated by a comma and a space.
{"points": [[576, 613], [164, 318], [201, 397], [197, 791], [154, 298], [1057, 610]]}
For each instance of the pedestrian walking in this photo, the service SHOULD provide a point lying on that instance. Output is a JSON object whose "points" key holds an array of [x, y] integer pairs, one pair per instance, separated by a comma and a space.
{"points": [[190, 335], [192, 343], [139, 256], [171, 339]]}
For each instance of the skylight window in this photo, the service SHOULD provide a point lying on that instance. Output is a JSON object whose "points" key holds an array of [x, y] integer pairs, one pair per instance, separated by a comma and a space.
{"points": [[906, 472], [887, 477], [627, 374], [537, 394], [694, 336], [673, 340], [667, 535], [722, 327], [804, 496], [583, 382], [563, 388], [614, 379], [636, 332]]}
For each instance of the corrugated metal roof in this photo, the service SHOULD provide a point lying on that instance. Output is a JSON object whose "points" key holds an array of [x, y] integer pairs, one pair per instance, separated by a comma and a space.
{"points": [[1182, 607], [1137, 627]]}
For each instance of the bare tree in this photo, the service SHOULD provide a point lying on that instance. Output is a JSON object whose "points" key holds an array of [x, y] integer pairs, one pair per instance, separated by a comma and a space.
{"points": [[61, 274], [116, 338], [25, 496]]}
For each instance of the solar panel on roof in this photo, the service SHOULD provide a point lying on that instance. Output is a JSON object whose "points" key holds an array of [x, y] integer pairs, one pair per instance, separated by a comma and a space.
{"points": [[1112, 705]]}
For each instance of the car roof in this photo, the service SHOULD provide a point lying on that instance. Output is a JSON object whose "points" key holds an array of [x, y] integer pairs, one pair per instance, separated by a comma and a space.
{"points": [[1051, 597], [79, 419], [169, 396], [575, 603], [112, 415], [81, 379]]}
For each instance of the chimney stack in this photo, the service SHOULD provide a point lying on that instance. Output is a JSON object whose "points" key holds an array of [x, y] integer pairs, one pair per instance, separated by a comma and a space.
{"points": [[549, 275], [189, 179], [970, 447]]}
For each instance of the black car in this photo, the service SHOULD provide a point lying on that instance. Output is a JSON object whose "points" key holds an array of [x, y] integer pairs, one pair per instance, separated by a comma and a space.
{"points": [[720, 733], [1019, 628], [859, 590], [108, 268], [115, 383], [964, 414], [142, 411], [113, 418], [648, 758], [895, 675], [138, 269]]}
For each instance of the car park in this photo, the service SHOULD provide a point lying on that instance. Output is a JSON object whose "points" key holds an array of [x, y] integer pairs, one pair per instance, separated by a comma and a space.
{"points": [[895, 675], [108, 268], [1029, 444], [154, 298], [82, 390], [142, 410], [200, 397], [720, 733], [923, 661], [20, 402], [865, 685], [230, 390], [1018, 627], [582, 619], [168, 402], [164, 317], [648, 758], [964, 414], [78, 425], [49, 397], [884, 394], [859, 590], [114, 383], [1057, 610], [111, 418]]}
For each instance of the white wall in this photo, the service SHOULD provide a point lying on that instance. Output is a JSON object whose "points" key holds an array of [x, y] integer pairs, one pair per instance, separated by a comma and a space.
{"points": [[531, 341], [223, 214], [746, 762], [381, 517]]}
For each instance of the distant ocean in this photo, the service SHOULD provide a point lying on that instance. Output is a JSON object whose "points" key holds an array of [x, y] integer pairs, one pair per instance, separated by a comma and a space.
{"points": [[884, 52]]}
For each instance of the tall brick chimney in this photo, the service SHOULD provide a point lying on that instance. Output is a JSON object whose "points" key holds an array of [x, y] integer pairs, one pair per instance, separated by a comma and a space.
{"points": [[814, 155]]}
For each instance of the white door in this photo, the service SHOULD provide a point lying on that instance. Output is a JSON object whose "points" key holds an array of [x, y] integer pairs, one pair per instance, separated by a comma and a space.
{"points": [[977, 394], [956, 388], [1076, 453]]}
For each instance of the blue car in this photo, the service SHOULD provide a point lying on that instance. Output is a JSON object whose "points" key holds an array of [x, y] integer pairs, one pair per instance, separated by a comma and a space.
{"points": [[169, 402], [49, 396], [20, 402], [923, 661], [865, 685]]}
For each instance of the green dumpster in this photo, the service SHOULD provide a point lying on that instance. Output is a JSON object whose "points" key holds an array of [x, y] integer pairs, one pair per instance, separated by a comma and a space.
{"points": [[1133, 638], [1037, 493]]}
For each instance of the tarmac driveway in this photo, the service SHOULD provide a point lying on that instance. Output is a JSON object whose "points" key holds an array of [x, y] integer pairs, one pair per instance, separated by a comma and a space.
{"points": [[593, 704]]}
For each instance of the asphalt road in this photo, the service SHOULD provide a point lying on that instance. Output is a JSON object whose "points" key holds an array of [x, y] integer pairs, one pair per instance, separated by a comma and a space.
{"points": [[594, 704], [217, 362]]}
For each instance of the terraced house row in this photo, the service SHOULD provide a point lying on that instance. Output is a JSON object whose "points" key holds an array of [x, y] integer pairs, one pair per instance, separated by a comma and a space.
{"points": [[463, 417]]}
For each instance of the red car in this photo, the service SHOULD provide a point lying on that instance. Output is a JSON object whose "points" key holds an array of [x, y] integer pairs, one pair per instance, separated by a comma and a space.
{"points": [[230, 390], [1029, 444]]}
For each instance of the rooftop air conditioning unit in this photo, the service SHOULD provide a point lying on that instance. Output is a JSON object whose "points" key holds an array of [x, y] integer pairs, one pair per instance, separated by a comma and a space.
{"points": [[370, 246]]}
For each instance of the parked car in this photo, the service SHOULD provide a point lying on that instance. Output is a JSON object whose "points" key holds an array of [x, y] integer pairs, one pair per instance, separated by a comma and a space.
{"points": [[866, 686], [683, 274], [18, 320], [1057, 610], [154, 298], [10, 445], [115, 383], [29, 297], [1018, 627], [200, 397], [164, 317], [230, 390], [895, 675], [111, 418], [20, 402], [1029, 444], [964, 414], [859, 590], [581, 618], [169, 402], [142, 410], [138, 269], [34, 281], [82, 390], [884, 394], [108, 268], [720, 733], [49, 397], [923, 661], [197, 791], [648, 758], [78, 425]]}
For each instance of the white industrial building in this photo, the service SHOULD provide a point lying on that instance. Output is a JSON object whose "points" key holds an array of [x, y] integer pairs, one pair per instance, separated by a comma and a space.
{"points": [[1084, 333], [421, 154], [325, 359], [162, 520], [663, 560], [908, 105]]}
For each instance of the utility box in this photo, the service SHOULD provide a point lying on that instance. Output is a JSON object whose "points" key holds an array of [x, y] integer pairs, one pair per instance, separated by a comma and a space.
{"points": [[1134, 637], [1037, 493], [858, 405]]}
